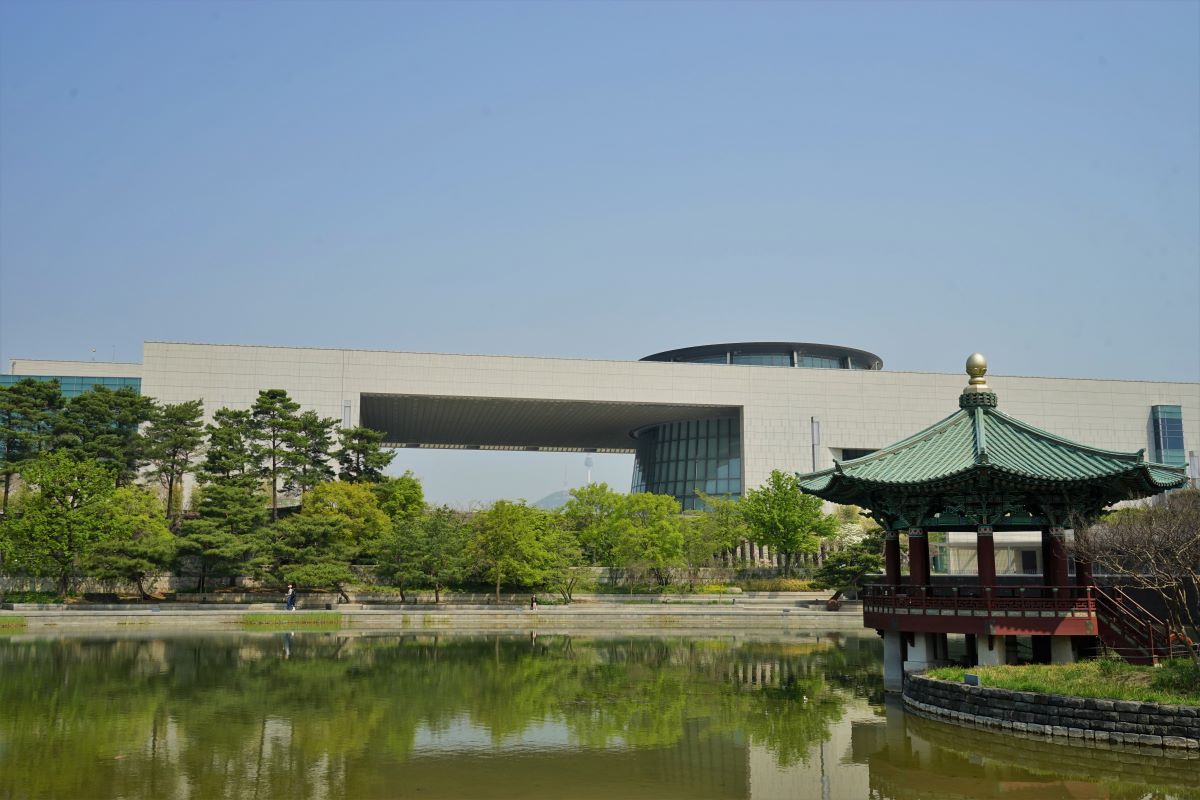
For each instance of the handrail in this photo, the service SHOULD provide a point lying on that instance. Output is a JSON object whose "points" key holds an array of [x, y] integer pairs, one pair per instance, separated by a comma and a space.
{"points": [[972, 599]]}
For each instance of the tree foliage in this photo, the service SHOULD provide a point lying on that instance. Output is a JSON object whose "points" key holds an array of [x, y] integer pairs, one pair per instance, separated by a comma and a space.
{"points": [[222, 538], [173, 438], [401, 498], [1154, 547], [356, 508], [427, 550], [508, 543], [102, 425], [137, 544], [63, 519], [785, 519], [313, 444], [309, 550], [27, 414], [591, 513], [275, 425], [648, 536], [362, 456]]}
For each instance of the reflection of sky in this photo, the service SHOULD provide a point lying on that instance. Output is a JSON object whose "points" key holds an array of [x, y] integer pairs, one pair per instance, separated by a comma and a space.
{"points": [[462, 735]]}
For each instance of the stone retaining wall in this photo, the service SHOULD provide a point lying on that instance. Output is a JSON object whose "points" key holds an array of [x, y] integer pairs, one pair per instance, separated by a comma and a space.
{"points": [[1073, 719]]}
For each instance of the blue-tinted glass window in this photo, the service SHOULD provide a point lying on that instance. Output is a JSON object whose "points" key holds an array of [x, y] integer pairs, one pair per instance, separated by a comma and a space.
{"points": [[763, 359], [680, 458], [820, 362], [1167, 422]]}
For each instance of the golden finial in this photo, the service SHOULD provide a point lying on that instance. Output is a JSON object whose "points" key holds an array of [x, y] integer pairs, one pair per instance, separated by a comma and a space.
{"points": [[977, 368]]}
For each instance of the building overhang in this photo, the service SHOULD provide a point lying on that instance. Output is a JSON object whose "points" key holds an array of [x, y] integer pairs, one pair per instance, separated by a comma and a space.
{"points": [[506, 423]]}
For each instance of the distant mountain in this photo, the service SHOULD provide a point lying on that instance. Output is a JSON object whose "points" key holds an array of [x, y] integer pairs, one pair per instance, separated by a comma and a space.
{"points": [[554, 501]]}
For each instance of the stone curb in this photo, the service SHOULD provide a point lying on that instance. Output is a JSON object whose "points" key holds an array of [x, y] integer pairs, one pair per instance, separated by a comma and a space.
{"points": [[1070, 720]]}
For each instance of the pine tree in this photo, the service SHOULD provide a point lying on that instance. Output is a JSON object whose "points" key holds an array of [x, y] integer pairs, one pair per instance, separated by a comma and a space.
{"points": [[362, 456], [275, 426], [172, 440], [27, 415], [102, 425], [313, 450]]}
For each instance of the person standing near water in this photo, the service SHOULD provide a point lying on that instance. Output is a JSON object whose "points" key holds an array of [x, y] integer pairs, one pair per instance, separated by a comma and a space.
{"points": [[291, 597]]}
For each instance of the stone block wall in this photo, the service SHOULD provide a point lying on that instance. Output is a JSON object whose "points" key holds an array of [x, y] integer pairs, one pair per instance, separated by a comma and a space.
{"points": [[1074, 719]]}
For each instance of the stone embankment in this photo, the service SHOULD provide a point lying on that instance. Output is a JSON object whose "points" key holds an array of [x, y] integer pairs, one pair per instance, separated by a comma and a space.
{"points": [[1074, 720], [767, 613]]}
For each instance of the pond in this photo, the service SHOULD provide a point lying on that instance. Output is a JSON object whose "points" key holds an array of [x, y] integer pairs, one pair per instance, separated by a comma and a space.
{"points": [[376, 715]]}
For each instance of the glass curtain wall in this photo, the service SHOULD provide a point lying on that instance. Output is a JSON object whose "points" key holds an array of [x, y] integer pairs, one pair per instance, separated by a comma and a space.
{"points": [[681, 458]]}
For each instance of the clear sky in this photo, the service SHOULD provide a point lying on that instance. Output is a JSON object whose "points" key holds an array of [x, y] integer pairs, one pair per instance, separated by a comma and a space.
{"points": [[605, 180]]}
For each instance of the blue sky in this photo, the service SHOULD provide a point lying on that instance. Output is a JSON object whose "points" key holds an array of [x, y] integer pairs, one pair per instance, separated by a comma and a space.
{"points": [[605, 180]]}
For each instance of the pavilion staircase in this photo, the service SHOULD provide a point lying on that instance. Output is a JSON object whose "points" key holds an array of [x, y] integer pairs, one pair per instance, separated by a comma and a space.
{"points": [[1128, 629]]}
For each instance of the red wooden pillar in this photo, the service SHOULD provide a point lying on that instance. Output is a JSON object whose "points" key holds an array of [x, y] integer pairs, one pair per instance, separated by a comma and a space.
{"points": [[1054, 557], [891, 557], [985, 555], [918, 557]]}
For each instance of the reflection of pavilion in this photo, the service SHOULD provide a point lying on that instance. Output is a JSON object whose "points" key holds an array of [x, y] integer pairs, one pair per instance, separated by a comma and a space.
{"points": [[983, 471]]}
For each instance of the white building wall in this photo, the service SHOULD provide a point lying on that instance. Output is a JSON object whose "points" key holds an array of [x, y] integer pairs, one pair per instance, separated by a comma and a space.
{"points": [[87, 369], [857, 408]]}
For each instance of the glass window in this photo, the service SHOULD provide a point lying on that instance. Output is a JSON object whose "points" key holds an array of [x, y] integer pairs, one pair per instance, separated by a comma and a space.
{"points": [[820, 362], [763, 359], [1167, 422]]}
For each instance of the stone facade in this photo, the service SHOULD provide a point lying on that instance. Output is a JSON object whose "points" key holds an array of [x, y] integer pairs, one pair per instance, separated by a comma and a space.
{"points": [[1076, 720]]}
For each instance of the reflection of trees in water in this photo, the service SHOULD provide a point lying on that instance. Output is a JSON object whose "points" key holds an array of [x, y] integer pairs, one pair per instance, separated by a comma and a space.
{"points": [[274, 716]]}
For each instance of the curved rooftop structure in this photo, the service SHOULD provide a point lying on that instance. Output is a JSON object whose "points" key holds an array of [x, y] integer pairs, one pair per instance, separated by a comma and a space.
{"points": [[773, 354]]}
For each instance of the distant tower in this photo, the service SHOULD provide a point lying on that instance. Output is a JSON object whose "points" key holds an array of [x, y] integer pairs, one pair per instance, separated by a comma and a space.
{"points": [[587, 462]]}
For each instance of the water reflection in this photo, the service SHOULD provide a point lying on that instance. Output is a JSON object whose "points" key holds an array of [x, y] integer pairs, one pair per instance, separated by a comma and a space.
{"points": [[343, 715]]}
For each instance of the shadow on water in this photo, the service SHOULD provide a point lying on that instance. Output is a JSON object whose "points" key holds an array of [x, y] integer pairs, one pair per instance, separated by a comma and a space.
{"points": [[364, 715]]}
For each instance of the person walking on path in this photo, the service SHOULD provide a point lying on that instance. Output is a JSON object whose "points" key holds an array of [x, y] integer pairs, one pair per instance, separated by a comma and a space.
{"points": [[291, 597], [533, 603]]}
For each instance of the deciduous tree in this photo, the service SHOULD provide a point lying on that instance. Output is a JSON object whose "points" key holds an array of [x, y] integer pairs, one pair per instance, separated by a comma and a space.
{"points": [[648, 537], [1155, 547], [592, 513], [427, 551], [357, 509], [64, 517], [508, 543], [137, 543], [785, 519]]}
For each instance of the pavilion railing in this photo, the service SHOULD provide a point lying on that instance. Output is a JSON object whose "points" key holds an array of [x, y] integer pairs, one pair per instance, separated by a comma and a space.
{"points": [[980, 600]]}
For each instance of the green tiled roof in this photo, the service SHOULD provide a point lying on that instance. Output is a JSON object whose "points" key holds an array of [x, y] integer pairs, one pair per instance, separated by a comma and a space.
{"points": [[981, 446]]}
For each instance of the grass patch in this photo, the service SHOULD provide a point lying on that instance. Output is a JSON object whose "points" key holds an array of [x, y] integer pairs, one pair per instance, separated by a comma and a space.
{"points": [[294, 619], [1176, 682], [8, 622]]}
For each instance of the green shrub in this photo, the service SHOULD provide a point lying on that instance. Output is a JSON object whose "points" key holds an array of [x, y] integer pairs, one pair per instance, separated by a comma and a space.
{"points": [[777, 585], [30, 597]]}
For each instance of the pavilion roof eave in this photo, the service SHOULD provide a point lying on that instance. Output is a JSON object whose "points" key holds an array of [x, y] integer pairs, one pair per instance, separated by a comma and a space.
{"points": [[981, 451]]}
